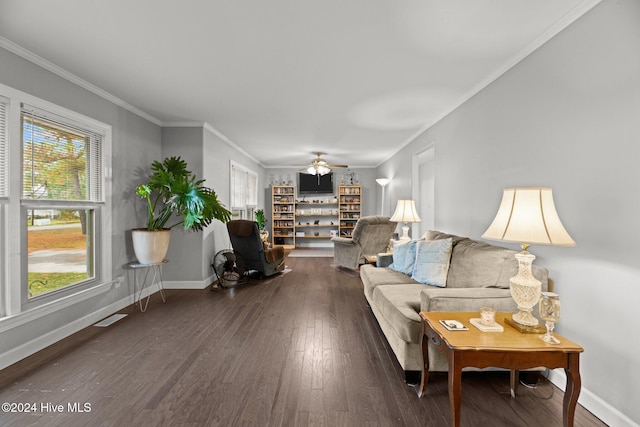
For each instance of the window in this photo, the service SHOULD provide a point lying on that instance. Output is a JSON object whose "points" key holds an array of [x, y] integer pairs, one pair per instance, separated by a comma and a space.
{"points": [[55, 231], [61, 185], [4, 138], [244, 191], [4, 182]]}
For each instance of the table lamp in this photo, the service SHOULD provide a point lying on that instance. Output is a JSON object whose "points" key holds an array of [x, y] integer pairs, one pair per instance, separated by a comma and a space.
{"points": [[405, 212], [383, 183], [527, 216]]}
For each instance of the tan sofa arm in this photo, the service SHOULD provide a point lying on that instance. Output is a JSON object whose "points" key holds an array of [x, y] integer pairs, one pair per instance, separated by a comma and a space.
{"points": [[466, 299], [346, 253], [343, 241]]}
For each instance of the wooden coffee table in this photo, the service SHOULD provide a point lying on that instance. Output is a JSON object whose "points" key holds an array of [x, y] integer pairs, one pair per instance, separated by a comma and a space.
{"points": [[509, 350]]}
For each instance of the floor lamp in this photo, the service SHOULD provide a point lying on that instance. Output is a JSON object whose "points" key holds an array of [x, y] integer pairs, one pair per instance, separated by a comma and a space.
{"points": [[383, 183]]}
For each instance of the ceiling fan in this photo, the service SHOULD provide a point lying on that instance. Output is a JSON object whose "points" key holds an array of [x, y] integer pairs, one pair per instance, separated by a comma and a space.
{"points": [[319, 166]]}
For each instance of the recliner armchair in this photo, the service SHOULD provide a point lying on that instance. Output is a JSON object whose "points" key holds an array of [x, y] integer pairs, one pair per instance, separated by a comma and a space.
{"points": [[370, 236], [246, 242]]}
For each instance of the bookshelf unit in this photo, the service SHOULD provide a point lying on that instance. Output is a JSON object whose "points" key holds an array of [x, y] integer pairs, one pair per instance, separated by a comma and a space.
{"points": [[283, 215], [295, 223], [316, 220], [350, 208]]}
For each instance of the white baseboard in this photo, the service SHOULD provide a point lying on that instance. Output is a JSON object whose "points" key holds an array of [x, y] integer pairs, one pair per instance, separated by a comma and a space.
{"points": [[18, 353], [27, 349], [193, 284], [593, 403]]}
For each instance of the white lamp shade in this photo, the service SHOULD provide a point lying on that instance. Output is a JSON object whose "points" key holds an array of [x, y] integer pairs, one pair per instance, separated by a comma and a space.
{"points": [[528, 215], [405, 212], [382, 181], [319, 169]]}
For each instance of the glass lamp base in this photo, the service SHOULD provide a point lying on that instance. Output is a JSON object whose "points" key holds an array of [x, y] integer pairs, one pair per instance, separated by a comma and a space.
{"points": [[524, 317], [549, 338]]}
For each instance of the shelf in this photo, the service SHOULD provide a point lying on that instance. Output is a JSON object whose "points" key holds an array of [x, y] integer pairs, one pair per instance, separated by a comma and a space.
{"points": [[316, 204], [285, 208], [349, 208]]}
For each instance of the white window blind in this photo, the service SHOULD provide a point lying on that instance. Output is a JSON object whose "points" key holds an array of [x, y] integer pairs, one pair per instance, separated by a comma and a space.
{"points": [[244, 187], [238, 187], [61, 160], [252, 189], [4, 142]]}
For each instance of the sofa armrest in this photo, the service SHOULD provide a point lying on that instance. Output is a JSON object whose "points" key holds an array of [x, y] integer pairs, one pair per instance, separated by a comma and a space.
{"points": [[343, 241], [346, 253], [466, 299], [274, 254]]}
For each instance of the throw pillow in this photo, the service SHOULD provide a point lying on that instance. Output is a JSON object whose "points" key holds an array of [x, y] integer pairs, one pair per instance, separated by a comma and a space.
{"points": [[432, 262], [404, 256]]}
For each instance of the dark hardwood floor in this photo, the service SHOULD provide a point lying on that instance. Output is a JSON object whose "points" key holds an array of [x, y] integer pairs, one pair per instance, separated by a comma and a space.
{"points": [[298, 349]]}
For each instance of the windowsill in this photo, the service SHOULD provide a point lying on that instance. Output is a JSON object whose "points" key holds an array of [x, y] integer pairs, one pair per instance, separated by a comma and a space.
{"points": [[19, 319]]}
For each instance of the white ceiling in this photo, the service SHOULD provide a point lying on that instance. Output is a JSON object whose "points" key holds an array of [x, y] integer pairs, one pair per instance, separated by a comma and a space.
{"points": [[357, 79]]}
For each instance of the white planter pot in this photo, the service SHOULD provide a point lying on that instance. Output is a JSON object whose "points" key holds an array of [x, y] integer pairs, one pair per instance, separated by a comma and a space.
{"points": [[150, 246]]}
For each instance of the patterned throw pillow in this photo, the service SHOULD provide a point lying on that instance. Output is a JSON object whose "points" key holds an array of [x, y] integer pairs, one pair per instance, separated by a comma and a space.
{"points": [[404, 256], [432, 262]]}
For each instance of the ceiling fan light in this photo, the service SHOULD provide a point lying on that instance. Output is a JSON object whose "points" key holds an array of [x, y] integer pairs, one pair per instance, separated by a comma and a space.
{"points": [[323, 170], [311, 170]]}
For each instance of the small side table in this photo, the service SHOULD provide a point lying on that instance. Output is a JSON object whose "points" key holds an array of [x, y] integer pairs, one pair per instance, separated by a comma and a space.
{"points": [[509, 349], [153, 270], [370, 259], [384, 259]]}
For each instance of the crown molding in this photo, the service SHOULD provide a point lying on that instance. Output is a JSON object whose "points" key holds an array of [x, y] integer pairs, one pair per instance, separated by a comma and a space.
{"points": [[61, 72], [562, 23], [332, 169], [216, 132]]}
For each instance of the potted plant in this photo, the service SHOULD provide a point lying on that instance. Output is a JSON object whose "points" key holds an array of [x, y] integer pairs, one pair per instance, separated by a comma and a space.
{"points": [[173, 193], [260, 219]]}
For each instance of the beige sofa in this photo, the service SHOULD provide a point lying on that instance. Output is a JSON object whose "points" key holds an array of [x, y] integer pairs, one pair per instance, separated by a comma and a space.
{"points": [[478, 276]]}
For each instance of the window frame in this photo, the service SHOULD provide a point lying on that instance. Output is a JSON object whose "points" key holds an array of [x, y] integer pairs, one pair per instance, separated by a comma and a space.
{"points": [[249, 197], [13, 283]]}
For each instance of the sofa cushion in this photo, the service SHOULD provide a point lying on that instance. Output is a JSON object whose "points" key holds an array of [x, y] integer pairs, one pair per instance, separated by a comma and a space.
{"points": [[432, 262], [438, 235], [466, 299], [400, 305], [404, 257], [373, 277], [479, 265]]}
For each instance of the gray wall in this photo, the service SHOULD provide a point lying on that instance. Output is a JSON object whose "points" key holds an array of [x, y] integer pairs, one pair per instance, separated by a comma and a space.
{"points": [[567, 117], [185, 249], [367, 178], [136, 142], [209, 157], [217, 156]]}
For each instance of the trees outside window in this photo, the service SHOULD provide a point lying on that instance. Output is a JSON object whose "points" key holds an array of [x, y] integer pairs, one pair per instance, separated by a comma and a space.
{"points": [[61, 190]]}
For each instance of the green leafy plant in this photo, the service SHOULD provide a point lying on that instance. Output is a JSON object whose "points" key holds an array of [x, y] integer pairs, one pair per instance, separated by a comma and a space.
{"points": [[174, 191], [260, 219]]}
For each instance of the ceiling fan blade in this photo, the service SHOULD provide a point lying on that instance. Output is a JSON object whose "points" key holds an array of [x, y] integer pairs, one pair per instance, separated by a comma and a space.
{"points": [[338, 166]]}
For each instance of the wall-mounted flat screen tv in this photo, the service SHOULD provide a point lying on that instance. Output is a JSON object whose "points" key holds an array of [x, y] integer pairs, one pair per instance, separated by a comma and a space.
{"points": [[315, 184]]}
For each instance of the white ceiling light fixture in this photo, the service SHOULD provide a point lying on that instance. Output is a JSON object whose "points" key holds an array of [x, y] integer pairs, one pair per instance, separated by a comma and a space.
{"points": [[319, 166]]}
